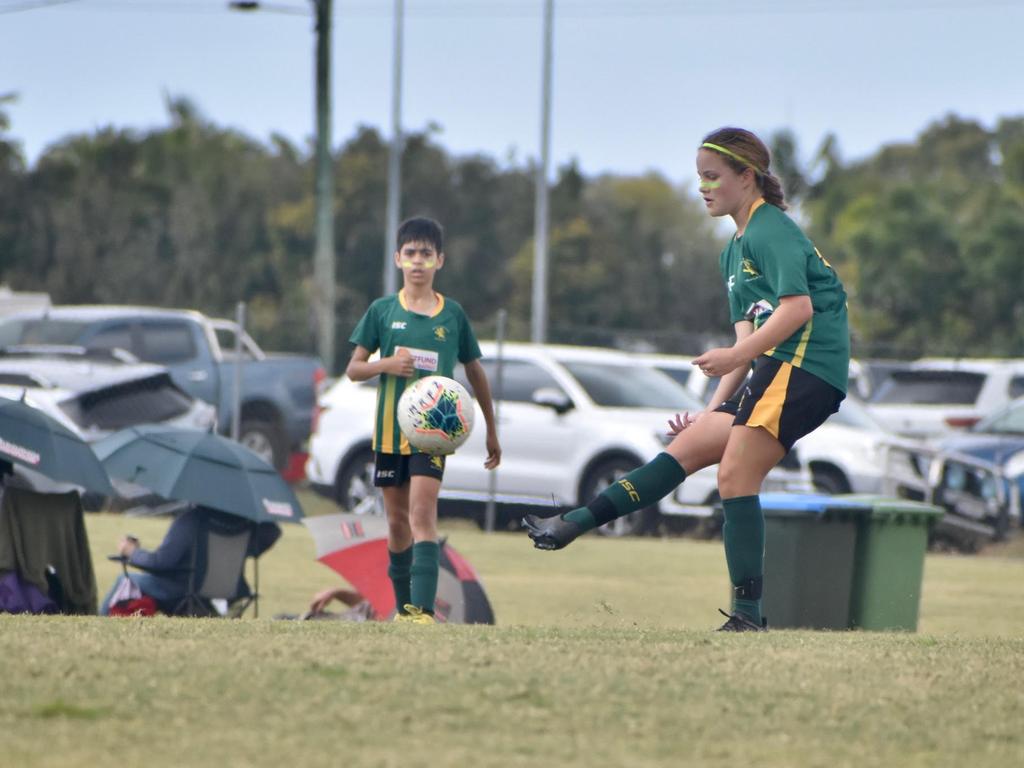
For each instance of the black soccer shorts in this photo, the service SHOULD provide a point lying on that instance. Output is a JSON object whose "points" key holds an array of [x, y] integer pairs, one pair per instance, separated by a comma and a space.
{"points": [[395, 469], [789, 402]]}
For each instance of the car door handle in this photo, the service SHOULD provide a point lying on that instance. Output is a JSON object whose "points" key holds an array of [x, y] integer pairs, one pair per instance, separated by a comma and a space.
{"points": [[198, 375]]}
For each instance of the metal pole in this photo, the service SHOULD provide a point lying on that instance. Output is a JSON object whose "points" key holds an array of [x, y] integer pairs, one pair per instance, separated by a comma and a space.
{"points": [[539, 320], [491, 511], [323, 256], [236, 394], [394, 156]]}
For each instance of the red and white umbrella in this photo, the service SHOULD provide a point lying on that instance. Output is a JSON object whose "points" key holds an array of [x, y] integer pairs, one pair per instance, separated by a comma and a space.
{"points": [[356, 547]]}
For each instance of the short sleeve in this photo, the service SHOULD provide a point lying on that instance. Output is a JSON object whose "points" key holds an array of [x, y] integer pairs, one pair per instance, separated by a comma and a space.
{"points": [[367, 332], [781, 256], [469, 348]]}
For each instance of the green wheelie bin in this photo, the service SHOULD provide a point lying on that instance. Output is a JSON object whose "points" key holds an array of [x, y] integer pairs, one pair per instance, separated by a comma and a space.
{"points": [[810, 550], [888, 566]]}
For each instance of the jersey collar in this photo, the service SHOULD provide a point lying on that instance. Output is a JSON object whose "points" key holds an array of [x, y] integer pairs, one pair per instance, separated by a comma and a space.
{"points": [[750, 214], [437, 309]]}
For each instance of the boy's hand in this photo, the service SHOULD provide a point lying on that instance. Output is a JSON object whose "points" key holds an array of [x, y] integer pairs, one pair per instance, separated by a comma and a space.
{"points": [[493, 452], [400, 363]]}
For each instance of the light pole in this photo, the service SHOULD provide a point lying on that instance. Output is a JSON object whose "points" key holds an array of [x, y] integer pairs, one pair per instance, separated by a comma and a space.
{"points": [[324, 289], [323, 251], [539, 303], [394, 157]]}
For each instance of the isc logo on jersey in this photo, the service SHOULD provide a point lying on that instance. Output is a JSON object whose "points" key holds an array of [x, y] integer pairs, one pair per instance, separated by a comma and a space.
{"points": [[398, 325]]}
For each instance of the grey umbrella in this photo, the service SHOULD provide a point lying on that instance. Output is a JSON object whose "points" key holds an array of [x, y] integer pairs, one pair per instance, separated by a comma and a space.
{"points": [[33, 439], [201, 468]]}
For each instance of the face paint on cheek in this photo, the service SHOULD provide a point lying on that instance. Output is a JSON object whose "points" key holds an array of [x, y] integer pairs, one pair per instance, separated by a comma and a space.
{"points": [[428, 263], [707, 185]]}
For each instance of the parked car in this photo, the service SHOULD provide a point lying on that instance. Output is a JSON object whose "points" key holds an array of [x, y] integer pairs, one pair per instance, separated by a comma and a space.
{"points": [[278, 392], [935, 396], [95, 394], [852, 452], [571, 421], [978, 476]]}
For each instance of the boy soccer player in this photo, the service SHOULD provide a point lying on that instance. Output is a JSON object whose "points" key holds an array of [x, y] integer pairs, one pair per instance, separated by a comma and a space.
{"points": [[419, 333], [788, 309]]}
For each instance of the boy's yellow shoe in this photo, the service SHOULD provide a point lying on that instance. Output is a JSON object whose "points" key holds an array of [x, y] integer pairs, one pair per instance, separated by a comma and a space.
{"points": [[415, 615]]}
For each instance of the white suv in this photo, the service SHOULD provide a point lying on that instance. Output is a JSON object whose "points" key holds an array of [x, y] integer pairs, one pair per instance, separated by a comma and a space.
{"points": [[936, 396], [571, 421]]}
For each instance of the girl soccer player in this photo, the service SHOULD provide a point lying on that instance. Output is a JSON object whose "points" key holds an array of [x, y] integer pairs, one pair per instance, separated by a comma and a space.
{"points": [[788, 309]]}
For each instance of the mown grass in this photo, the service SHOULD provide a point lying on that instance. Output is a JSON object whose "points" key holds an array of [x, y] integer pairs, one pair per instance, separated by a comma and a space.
{"points": [[603, 656]]}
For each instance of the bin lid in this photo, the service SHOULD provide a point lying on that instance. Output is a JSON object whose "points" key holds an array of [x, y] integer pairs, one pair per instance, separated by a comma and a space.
{"points": [[890, 507], [793, 504]]}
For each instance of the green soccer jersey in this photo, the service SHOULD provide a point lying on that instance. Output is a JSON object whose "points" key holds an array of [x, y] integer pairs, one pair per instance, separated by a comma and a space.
{"points": [[437, 342], [773, 258]]}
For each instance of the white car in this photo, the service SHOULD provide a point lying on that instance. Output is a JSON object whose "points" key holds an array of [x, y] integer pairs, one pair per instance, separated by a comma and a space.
{"points": [[933, 397], [571, 421], [852, 452]]}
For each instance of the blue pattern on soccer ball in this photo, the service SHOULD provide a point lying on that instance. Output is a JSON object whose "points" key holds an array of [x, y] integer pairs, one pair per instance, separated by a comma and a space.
{"points": [[444, 416]]}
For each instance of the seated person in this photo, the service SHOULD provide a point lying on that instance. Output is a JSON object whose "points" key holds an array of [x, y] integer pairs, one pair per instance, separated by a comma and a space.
{"points": [[167, 568]]}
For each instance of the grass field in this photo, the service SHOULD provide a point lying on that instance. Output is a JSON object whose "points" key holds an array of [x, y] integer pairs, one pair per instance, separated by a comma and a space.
{"points": [[603, 656]]}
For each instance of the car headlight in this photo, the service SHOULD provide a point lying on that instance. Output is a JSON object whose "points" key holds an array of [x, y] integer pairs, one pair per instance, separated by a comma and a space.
{"points": [[1014, 467]]}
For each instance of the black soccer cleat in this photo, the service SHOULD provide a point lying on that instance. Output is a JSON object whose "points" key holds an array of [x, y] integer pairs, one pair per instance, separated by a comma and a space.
{"points": [[551, 532], [738, 622]]}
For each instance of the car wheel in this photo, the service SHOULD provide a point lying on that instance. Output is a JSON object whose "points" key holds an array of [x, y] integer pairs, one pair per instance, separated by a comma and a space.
{"points": [[354, 490], [265, 440], [600, 477], [829, 480]]}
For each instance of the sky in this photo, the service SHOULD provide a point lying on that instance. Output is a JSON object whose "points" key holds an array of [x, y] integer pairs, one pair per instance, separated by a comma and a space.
{"points": [[636, 83]]}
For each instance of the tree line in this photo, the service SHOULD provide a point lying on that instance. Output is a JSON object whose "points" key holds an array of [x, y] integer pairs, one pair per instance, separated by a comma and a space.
{"points": [[927, 236]]}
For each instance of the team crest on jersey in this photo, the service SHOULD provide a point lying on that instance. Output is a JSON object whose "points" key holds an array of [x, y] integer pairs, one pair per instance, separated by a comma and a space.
{"points": [[748, 268], [398, 325], [440, 333]]}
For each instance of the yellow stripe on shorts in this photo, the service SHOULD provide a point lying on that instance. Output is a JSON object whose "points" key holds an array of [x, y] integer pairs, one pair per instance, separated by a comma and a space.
{"points": [[768, 411], [387, 413]]}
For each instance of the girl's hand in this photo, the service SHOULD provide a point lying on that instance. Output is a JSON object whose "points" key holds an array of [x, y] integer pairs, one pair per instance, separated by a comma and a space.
{"points": [[679, 423], [718, 361]]}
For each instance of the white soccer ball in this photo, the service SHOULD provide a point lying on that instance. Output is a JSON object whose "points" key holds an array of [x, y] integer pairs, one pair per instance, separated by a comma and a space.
{"points": [[435, 414]]}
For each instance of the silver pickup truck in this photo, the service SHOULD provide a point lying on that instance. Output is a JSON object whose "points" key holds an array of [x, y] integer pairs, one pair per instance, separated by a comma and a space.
{"points": [[278, 391]]}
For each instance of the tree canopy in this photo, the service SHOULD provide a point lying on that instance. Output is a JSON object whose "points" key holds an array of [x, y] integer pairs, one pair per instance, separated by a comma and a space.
{"points": [[927, 236]]}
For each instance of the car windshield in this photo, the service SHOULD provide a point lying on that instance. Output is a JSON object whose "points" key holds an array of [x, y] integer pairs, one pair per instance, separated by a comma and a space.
{"points": [[40, 330], [930, 387], [630, 386], [1008, 421]]}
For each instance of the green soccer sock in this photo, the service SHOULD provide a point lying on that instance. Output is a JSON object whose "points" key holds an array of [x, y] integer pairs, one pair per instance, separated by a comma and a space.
{"points": [[743, 535], [641, 488], [426, 559], [398, 572]]}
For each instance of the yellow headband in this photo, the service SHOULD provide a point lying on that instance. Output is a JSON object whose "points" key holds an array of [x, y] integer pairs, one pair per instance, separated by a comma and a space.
{"points": [[733, 155]]}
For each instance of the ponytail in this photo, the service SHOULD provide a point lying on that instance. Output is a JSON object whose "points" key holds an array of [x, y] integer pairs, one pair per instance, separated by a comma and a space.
{"points": [[771, 190]]}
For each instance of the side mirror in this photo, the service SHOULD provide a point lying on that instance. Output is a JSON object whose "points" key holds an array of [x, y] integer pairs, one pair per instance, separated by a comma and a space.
{"points": [[552, 398]]}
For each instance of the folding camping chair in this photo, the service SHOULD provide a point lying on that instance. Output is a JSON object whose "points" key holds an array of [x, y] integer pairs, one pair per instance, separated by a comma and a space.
{"points": [[216, 572], [43, 540], [218, 568]]}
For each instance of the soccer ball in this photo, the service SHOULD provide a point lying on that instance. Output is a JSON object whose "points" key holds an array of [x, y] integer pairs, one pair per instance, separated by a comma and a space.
{"points": [[435, 414]]}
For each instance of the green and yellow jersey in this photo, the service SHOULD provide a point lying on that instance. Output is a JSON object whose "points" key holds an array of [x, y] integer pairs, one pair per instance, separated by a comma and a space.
{"points": [[773, 258], [437, 342]]}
